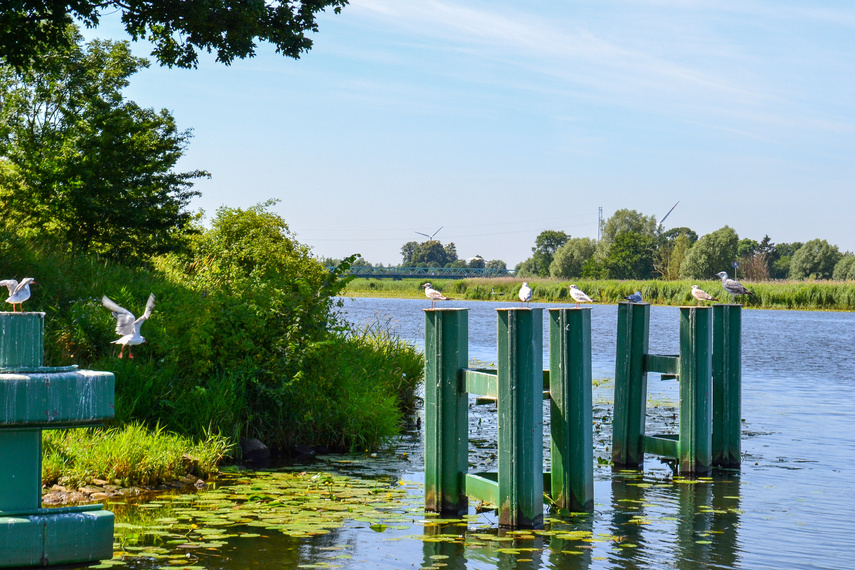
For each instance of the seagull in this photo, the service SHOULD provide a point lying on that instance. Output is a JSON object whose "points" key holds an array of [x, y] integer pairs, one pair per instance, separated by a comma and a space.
{"points": [[525, 293], [579, 296], [701, 295], [634, 298], [731, 286], [127, 325], [433, 295], [18, 292]]}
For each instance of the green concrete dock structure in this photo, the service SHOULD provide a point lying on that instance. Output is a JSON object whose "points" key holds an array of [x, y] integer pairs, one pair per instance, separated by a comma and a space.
{"points": [[709, 371], [33, 398], [518, 385]]}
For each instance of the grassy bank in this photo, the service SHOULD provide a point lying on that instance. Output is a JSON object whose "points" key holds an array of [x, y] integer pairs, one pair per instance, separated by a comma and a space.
{"points": [[131, 455], [799, 295]]}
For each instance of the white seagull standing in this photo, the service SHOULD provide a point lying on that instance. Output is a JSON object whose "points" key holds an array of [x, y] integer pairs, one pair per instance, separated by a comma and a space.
{"points": [[634, 298], [731, 286], [127, 325], [579, 296], [525, 293], [701, 295], [433, 295], [18, 292]]}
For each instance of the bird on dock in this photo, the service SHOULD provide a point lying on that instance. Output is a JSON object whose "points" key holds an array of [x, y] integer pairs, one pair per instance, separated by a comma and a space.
{"points": [[701, 295], [433, 295], [732, 286], [18, 292], [127, 325], [579, 296], [525, 294], [634, 298]]}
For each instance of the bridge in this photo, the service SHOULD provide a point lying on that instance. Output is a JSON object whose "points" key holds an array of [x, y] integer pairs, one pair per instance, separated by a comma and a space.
{"points": [[397, 273]]}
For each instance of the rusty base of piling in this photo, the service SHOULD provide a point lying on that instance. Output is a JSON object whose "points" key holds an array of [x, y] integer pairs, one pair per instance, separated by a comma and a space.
{"points": [[65, 538]]}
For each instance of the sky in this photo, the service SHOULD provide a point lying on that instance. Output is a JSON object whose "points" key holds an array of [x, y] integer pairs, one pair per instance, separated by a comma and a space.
{"points": [[496, 120]]}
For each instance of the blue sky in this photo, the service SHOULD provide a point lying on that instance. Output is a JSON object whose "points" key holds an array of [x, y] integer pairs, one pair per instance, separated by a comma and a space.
{"points": [[497, 120]]}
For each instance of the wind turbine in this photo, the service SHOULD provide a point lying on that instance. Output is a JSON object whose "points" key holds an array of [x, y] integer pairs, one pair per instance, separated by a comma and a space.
{"points": [[659, 225], [430, 237]]}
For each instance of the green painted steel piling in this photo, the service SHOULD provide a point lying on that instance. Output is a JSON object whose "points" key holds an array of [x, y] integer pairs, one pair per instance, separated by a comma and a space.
{"points": [[446, 411], [695, 447], [520, 409], [630, 386], [571, 422], [727, 386], [34, 398]]}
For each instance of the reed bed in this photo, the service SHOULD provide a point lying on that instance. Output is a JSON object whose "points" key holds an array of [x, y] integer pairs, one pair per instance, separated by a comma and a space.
{"points": [[793, 295]]}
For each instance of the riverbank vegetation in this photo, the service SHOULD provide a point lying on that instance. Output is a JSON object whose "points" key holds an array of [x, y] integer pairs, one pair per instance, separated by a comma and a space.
{"points": [[799, 295]]}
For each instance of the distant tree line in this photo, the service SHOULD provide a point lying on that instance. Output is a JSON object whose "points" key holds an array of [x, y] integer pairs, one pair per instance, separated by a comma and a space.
{"points": [[633, 246]]}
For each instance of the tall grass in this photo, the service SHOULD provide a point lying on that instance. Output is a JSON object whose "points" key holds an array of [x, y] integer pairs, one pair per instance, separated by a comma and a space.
{"points": [[803, 295], [127, 456]]}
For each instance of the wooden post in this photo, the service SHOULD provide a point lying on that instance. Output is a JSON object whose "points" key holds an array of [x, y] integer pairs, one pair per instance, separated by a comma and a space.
{"points": [[520, 409], [446, 411], [727, 386], [630, 386], [571, 423], [695, 448]]}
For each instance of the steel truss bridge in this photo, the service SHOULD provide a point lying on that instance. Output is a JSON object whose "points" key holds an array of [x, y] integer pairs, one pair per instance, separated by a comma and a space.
{"points": [[396, 273]]}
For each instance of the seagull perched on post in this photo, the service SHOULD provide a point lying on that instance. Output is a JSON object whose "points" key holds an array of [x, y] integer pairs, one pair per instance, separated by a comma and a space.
{"points": [[525, 294], [127, 325], [731, 286], [634, 298], [579, 296], [18, 292], [701, 295], [433, 295]]}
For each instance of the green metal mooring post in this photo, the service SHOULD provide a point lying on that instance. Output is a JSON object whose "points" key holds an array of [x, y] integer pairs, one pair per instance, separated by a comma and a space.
{"points": [[727, 386], [571, 424], [695, 447], [520, 409], [32, 398], [630, 386], [446, 411]]}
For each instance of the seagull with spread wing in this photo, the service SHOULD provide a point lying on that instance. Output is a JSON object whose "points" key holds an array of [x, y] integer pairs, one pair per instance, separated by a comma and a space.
{"points": [[127, 325], [18, 292]]}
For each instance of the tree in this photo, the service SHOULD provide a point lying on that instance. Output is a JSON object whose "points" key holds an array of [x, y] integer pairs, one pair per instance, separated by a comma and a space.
{"points": [[671, 254], [674, 233], [571, 257], [623, 221], [631, 256], [496, 264], [845, 268], [178, 30], [712, 253], [545, 246], [429, 253], [814, 260], [780, 268], [90, 167]]}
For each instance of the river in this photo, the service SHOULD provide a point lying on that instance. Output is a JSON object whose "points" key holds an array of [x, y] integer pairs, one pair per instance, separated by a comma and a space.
{"points": [[787, 508]]}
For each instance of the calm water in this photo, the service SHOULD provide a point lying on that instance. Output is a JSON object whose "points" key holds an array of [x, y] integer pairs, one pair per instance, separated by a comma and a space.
{"points": [[788, 508]]}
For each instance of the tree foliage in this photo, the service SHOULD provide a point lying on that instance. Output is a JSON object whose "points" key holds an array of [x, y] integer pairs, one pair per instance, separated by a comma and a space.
{"points": [[571, 257], [845, 268], [624, 221], [712, 253], [179, 30], [631, 256], [89, 167], [429, 253], [545, 246], [815, 260]]}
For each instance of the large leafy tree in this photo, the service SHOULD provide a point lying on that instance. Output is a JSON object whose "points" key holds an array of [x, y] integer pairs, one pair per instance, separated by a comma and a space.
{"points": [[631, 256], [712, 253], [545, 246], [571, 257], [429, 253], [815, 259], [89, 167], [177, 28]]}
